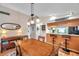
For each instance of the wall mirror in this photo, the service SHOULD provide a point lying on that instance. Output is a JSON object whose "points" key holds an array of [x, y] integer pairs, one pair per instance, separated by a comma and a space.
{"points": [[10, 26]]}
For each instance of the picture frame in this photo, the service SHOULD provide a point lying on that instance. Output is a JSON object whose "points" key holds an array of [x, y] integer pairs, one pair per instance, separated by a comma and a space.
{"points": [[43, 27]]}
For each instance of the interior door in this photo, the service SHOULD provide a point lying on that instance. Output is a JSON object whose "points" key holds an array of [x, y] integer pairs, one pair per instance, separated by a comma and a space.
{"points": [[33, 31]]}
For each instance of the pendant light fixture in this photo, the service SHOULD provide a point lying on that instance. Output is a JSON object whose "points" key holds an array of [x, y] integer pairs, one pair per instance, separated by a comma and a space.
{"points": [[28, 23], [32, 16], [38, 20], [32, 13]]}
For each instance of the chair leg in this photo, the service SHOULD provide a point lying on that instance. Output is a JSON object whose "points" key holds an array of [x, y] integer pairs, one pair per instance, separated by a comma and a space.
{"points": [[20, 51]]}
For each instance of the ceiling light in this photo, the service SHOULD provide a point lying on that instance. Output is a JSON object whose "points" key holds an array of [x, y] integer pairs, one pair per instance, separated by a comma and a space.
{"points": [[32, 22], [33, 17], [70, 13], [72, 17], [52, 18], [28, 23], [37, 20]]}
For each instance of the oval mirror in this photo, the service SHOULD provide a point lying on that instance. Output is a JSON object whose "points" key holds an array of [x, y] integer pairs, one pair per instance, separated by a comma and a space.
{"points": [[10, 26]]}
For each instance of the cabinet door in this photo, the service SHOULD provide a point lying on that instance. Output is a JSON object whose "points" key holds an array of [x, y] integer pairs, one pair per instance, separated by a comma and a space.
{"points": [[48, 39]]}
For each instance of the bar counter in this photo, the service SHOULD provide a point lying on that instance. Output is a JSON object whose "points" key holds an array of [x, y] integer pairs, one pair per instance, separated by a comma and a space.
{"points": [[64, 34], [72, 41]]}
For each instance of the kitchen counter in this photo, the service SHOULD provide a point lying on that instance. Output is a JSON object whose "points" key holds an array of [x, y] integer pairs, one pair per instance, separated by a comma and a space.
{"points": [[72, 40], [64, 34]]}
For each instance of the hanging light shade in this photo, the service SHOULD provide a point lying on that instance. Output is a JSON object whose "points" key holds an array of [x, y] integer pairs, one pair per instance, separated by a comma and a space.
{"points": [[31, 20], [32, 15], [37, 20], [28, 23]]}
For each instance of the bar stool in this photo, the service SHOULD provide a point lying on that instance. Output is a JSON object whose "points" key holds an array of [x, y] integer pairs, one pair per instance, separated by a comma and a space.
{"points": [[53, 42], [53, 38], [66, 42], [18, 48], [41, 38]]}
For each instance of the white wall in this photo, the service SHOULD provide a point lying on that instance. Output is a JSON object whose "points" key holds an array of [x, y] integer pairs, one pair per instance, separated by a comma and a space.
{"points": [[43, 21]]}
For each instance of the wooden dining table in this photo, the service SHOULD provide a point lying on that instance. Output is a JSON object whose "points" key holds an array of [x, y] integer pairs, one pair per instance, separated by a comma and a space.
{"points": [[34, 47]]}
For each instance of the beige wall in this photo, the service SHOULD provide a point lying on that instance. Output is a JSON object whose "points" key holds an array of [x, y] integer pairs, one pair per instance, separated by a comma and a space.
{"points": [[14, 17]]}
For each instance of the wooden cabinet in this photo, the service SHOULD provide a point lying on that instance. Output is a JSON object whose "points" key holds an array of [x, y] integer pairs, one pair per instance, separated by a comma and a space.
{"points": [[48, 39], [58, 39], [74, 43]]}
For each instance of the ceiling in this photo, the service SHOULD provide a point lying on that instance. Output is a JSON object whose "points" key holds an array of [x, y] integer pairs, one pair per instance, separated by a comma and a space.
{"points": [[45, 9]]}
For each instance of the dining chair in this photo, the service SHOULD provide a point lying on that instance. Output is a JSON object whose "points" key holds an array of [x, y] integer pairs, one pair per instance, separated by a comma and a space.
{"points": [[41, 38]]}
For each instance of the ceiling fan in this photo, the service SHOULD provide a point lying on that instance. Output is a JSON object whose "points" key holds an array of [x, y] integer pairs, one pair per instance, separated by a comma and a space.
{"points": [[6, 13]]}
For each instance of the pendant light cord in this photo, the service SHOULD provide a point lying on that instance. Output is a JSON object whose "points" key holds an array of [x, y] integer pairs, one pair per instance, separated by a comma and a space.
{"points": [[32, 10]]}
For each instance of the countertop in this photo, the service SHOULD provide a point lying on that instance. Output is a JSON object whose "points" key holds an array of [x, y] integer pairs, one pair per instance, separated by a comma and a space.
{"points": [[64, 34]]}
